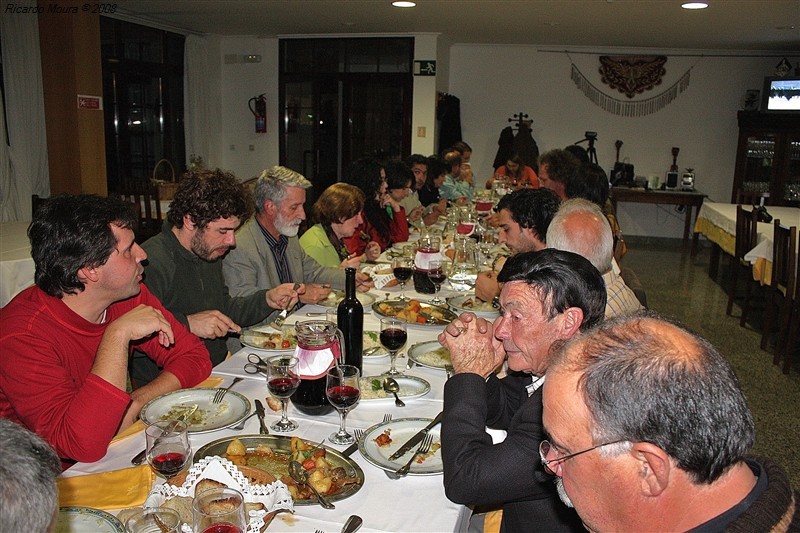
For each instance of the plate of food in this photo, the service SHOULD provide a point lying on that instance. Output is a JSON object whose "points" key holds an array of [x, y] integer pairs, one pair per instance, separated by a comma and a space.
{"points": [[86, 520], [268, 339], [335, 476], [430, 354], [382, 440], [209, 416], [410, 387], [415, 312], [335, 297], [471, 303], [372, 342]]}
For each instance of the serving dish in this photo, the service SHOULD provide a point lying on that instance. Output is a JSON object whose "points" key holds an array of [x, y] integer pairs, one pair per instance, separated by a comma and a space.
{"points": [[431, 315]]}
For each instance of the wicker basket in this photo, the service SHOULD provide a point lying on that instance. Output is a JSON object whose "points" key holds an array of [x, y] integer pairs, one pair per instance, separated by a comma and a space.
{"points": [[166, 189]]}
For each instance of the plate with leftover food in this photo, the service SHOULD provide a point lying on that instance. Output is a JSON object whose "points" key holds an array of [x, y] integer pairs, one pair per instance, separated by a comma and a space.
{"points": [[415, 312], [335, 297], [471, 303], [382, 440], [335, 476], [86, 520], [268, 339], [372, 340], [209, 416], [430, 354], [410, 387]]}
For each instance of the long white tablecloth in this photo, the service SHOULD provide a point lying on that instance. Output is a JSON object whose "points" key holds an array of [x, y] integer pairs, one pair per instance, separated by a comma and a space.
{"points": [[414, 503], [16, 265]]}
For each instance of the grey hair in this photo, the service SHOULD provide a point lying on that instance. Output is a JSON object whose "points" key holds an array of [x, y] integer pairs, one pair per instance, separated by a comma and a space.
{"points": [[595, 241], [272, 185], [28, 470], [646, 379]]}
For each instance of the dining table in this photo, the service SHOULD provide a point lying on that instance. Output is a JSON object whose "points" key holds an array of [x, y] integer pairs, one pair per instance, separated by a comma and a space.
{"points": [[717, 222], [411, 503], [16, 264]]}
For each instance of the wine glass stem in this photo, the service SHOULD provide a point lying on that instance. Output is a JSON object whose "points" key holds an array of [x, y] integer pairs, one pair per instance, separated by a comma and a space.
{"points": [[392, 357], [284, 402], [342, 419]]}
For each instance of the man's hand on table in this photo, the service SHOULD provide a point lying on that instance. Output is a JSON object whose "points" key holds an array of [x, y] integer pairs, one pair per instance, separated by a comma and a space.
{"points": [[314, 293], [284, 295], [473, 347], [211, 324], [363, 282]]}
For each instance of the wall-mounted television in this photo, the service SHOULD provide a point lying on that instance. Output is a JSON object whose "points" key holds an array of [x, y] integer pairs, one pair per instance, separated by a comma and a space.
{"points": [[781, 95]]}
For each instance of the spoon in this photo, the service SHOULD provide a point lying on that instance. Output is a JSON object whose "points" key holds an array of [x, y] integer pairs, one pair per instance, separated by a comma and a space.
{"points": [[353, 524], [300, 475], [391, 385]]}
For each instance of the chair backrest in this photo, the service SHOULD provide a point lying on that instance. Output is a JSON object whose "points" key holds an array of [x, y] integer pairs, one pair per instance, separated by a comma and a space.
{"points": [[147, 204], [784, 258], [746, 231], [751, 197]]}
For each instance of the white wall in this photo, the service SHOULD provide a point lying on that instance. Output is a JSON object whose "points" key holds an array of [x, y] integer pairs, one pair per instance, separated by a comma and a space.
{"points": [[495, 82]]}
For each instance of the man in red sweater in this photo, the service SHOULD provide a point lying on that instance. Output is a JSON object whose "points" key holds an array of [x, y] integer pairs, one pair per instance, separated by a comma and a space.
{"points": [[65, 342]]}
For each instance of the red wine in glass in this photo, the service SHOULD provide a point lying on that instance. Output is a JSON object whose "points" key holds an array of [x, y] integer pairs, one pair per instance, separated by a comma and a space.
{"points": [[222, 528], [343, 396], [437, 276], [168, 464], [402, 273], [393, 339], [283, 387]]}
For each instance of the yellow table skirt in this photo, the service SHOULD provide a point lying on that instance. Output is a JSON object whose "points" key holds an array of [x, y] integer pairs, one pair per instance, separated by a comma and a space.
{"points": [[713, 233]]}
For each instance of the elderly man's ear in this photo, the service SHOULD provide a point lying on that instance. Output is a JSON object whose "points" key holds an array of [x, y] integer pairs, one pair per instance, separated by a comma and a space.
{"points": [[655, 467], [571, 322]]}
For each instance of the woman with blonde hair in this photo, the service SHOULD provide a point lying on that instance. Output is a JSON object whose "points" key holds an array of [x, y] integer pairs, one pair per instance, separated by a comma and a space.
{"points": [[337, 213]]}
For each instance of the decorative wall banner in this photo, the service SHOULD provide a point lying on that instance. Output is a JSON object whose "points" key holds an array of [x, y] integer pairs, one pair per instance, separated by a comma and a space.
{"points": [[632, 75], [635, 108]]}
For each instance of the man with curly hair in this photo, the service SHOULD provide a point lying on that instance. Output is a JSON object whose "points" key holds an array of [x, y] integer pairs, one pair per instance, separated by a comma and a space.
{"points": [[184, 267]]}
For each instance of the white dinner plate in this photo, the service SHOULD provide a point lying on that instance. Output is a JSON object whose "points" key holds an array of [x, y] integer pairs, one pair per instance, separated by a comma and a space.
{"points": [[208, 417], [430, 354], [335, 297], [256, 336], [400, 431], [372, 339], [410, 387], [86, 520], [470, 303]]}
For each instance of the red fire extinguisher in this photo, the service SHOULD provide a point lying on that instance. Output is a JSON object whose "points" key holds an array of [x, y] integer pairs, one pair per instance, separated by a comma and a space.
{"points": [[258, 106]]}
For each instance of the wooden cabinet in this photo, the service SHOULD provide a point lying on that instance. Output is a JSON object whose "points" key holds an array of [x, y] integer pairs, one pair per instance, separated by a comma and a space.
{"points": [[768, 156]]}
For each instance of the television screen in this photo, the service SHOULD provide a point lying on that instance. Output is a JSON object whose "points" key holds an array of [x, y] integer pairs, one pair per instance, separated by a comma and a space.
{"points": [[782, 94]]}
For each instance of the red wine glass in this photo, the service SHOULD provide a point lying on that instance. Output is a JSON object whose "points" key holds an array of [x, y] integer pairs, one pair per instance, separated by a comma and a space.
{"points": [[168, 448], [219, 510], [343, 392], [401, 267], [393, 337], [282, 381], [437, 273]]}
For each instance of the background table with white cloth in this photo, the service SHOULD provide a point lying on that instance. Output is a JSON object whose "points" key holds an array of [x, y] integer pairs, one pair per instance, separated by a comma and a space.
{"points": [[16, 265]]}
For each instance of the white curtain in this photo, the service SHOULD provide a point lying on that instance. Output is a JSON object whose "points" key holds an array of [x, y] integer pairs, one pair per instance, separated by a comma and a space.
{"points": [[23, 159], [199, 117]]}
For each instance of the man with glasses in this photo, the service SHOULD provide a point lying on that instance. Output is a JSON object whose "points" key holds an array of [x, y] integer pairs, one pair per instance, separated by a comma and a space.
{"points": [[547, 298], [649, 431]]}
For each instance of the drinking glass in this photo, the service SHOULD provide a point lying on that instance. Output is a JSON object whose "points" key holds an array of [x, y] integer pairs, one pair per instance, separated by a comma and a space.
{"points": [[401, 267], [343, 392], [282, 381], [219, 510], [464, 270], [154, 520], [437, 273], [168, 448], [393, 338]]}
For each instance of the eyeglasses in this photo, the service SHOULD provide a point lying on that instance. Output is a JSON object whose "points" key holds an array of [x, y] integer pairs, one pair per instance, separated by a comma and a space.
{"points": [[553, 466]]}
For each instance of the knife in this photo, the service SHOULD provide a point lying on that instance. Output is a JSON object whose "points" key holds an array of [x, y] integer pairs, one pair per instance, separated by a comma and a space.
{"points": [[260, 413], [142, 455], [413, 441]]}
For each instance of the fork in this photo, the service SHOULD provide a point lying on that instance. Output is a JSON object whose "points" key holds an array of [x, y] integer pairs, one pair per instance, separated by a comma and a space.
{"points": [[278, 323], [387, 418], [424, 448], [222, 392]]}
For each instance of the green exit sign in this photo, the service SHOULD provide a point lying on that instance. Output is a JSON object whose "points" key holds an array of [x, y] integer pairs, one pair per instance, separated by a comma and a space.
{"points": [[425, 68]]}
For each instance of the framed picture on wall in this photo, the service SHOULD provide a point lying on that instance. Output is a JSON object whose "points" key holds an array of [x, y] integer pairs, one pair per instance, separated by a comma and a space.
{"points": [[752, 98]]}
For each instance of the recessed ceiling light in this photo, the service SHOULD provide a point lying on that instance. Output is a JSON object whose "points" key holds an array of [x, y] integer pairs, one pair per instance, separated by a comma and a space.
{"points": [[404, 4], [695, 5]]}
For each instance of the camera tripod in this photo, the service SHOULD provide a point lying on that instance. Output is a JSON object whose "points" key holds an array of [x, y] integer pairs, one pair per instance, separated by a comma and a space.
{"points": [[591, 137]]}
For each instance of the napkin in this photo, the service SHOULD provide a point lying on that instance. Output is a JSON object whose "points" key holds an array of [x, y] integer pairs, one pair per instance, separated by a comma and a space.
{"points": [[138, 426], [116, 489]]}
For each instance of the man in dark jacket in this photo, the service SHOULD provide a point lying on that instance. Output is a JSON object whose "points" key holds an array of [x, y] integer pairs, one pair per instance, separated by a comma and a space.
{"points": [[547, 298]]}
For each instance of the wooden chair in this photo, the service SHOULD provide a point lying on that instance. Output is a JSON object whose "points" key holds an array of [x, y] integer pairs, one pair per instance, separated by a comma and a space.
{"points": [[145, 200], [789, 341], [781, 290], [746, 240], [751, 197]]}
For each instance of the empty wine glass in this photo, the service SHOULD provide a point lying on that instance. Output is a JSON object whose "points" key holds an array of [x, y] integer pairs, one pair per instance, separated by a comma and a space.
{"points": [[343, 392], [393, 337], [437, 273], [401, 267], [282, 381], [168, 448]]}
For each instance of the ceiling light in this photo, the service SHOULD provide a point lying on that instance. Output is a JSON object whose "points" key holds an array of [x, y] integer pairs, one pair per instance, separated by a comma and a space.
{"points": [[404, 4], [695, 5]]}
